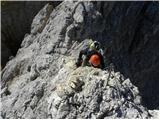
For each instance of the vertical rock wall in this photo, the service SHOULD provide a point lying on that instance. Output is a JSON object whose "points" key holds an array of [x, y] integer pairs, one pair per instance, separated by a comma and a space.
{"points": [[131, 31]]}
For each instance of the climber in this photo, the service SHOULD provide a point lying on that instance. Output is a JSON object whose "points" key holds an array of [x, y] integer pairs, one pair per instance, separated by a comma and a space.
{"points": [[91, 56]]}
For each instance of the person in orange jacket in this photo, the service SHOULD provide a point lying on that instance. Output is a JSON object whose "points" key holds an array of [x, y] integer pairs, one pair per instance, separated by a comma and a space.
{"points": [[93, 56]]}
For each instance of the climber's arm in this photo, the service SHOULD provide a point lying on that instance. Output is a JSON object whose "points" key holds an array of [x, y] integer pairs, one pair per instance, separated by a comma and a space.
{"points": [[81, 53], [102, 59], [101, 52]]}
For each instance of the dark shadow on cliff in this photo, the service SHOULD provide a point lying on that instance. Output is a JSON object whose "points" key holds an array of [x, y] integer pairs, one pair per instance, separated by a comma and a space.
{"points": [[131, 41], [16, 19]]}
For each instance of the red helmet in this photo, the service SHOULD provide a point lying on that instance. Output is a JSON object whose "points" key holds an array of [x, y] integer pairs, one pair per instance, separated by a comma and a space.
{"points": [[95, 60]]}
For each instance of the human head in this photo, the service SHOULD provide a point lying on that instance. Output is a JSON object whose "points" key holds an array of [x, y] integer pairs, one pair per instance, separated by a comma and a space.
{"points": [[95, 45]]}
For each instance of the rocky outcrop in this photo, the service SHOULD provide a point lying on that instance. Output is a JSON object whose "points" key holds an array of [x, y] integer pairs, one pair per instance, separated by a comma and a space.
{"points": [[83, 92], [16, 22], [41, 82], [92, 93]]}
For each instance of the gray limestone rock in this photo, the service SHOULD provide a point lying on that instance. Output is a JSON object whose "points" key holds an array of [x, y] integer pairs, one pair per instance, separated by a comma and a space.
{"points": [[95, 99], [16, 22], [42, 80]]}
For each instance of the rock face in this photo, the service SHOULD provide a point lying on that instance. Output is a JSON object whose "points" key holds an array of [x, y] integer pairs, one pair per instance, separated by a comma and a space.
{"points": [[92, 93], [131, 31], [16, 22], [41, 81]]}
